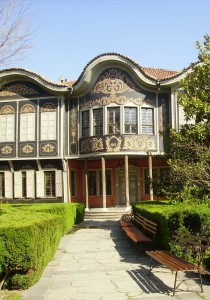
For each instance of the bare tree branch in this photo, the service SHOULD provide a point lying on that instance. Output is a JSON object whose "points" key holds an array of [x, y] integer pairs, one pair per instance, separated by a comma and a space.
{"points": [[15, 31]]}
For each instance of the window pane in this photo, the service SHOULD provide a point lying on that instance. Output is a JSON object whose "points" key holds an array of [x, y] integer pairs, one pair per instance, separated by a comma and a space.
{"points": [[98, 121], [113, 120], [49, 183], [130, 119], [85, 123], [147, 121]]}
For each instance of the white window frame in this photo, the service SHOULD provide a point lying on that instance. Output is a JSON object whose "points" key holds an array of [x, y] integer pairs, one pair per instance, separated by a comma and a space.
{"points": [[154, 119], [137, 119]]}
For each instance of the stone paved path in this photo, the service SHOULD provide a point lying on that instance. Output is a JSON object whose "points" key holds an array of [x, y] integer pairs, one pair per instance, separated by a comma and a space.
{"points": [[97, 262]]}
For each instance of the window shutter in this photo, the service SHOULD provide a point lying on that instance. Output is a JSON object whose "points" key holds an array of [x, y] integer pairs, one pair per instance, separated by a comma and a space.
{"points": [[30, 184], [3, 126], [52, 126], [27, 127], [31, 127], [40, 184], [58, 184], [48, 125], [23, 127], [8, 185], [10, 128], [18, 184], [44, 126]]}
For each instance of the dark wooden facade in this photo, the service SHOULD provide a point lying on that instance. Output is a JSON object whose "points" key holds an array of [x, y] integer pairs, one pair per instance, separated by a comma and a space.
{"points": [[95, 141]]}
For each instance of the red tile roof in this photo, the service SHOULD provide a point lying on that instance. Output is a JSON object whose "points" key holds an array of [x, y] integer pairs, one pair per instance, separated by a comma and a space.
{"points": [[159, 74]]}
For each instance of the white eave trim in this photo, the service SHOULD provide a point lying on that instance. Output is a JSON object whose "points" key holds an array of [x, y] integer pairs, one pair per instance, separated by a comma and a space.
{"points": [[86, 77], [35, 77]]}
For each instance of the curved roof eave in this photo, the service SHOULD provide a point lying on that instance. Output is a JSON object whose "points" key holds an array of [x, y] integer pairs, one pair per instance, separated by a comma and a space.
{"points": [[32, 76], [100, 61], [176, 79]]}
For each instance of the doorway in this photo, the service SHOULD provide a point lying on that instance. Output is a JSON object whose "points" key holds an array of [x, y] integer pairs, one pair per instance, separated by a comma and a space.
{"points": [[134, 187]]}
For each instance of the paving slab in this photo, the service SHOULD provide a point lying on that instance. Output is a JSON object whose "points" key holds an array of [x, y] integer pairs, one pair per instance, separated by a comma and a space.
{"points": [[97, 262]]}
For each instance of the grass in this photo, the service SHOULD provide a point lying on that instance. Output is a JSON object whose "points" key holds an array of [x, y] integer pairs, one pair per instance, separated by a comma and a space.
{"points": [[10, 295]]}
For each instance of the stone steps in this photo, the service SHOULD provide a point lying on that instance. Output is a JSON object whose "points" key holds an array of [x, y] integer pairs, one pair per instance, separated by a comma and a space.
{"points": [[105, 214]]}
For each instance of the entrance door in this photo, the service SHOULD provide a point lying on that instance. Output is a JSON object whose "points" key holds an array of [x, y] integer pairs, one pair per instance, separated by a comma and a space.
{"points": [[133, 186]]}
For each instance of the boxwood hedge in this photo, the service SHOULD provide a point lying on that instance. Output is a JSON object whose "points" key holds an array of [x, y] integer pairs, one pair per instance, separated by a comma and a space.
{"points": [[170, 217], [29, 237]]}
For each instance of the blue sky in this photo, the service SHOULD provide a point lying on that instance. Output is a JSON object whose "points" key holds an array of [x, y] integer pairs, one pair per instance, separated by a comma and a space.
{"points": [[154, 33]]}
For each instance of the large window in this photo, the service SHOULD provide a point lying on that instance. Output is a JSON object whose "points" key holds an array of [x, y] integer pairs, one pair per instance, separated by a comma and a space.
{"points": [[130, 119], [27, 123], [7, 124], [85, 123], [2, 192], [49, 183], [95, 182], [73, 183], [98, 121], [48, 123], [147, 121], [113, 120]]}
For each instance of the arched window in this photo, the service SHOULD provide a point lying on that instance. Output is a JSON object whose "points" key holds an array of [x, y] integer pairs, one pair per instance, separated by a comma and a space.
{"points": [[48, 122], [7, 124], [27, 123]]}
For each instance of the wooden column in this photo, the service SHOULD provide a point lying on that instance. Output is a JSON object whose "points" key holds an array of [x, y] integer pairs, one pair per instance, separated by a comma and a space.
{"points": [[150, 176], [103, 181], [86, 186], [127, 200]]}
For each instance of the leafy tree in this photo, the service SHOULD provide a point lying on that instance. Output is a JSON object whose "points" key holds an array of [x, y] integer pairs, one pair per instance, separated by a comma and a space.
{"points": [[189, 151]]}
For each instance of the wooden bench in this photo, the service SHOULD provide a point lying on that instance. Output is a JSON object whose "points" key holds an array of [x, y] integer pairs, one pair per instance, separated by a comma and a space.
{"points": [[196, 245], [138, 228]]}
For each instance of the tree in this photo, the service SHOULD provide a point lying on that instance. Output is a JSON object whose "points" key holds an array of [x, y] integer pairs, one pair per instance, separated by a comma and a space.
{"points": [[189, 151], [15, 32]]}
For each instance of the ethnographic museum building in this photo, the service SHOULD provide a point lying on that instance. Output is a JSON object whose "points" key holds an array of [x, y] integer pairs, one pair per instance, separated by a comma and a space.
{"points": [[96, 140]]}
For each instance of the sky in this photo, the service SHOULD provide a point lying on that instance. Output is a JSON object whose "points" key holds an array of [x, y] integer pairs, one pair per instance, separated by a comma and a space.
{"points": [[68, 34]]}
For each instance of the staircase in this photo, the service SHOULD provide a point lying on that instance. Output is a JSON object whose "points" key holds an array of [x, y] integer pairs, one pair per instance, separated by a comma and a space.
{"points": [[111, 213]]}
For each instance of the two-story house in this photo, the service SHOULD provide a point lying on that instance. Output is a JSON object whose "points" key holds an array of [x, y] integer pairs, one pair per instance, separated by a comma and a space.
{"points": [[96, 140]]}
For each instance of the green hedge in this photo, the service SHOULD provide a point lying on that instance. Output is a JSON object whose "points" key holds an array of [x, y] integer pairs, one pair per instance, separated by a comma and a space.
{"points": [[170, 217], [29, 237]]}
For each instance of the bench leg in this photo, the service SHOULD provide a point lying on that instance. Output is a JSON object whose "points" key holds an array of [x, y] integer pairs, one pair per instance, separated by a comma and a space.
{"points": [[152, 265], [175, 283], [201, 283]]}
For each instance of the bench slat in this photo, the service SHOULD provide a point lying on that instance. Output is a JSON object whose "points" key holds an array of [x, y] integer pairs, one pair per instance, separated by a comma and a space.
{"points": [[136, 234], [171, 261]]}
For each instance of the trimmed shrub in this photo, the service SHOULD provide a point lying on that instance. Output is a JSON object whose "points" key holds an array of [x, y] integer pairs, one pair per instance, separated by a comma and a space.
{"points": [[170, 217], [29, 237]]}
